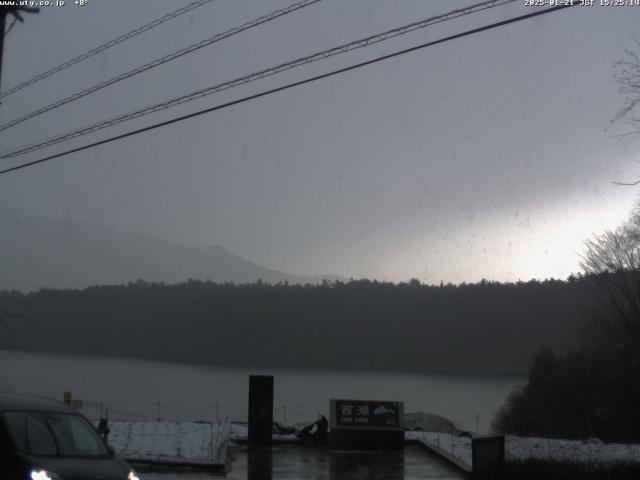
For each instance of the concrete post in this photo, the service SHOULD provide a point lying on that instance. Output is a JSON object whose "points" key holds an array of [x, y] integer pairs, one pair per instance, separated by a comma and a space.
{"points": [[488, 454], [260, 410]]}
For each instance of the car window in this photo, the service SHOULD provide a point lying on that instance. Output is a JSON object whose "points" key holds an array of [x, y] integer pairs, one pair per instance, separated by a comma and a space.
{"points": [[31, 434], [17, 423], [54, 434], [75, 436]]}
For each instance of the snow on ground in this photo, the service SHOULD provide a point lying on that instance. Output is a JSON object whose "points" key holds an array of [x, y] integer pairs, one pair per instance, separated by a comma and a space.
{"points": [[576, 450], [179, 442], [192, 442], [522, 448], [168, 441]]}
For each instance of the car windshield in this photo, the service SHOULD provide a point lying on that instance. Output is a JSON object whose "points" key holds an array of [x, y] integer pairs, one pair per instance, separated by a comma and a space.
{"points": [[54, 434]]}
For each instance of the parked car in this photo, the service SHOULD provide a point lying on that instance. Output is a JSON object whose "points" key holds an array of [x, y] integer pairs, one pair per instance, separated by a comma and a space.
{"points": [[41, 439]]}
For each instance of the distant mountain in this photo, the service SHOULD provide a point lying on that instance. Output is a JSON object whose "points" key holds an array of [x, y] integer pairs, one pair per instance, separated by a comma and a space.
{"points": [[37, 253]]}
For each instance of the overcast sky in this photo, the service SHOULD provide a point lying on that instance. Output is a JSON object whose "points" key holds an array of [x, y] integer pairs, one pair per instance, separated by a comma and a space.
{"points": [[484, 157]]}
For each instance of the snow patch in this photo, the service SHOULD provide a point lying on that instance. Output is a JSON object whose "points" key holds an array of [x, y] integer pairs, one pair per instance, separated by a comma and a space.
{"points": [[524, 448], [184, 442]]}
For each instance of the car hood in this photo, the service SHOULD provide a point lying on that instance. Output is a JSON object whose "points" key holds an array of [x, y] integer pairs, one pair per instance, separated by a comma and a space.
{"points": [[113, 468]]}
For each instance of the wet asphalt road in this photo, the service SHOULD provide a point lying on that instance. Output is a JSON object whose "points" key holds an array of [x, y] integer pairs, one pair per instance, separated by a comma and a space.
{"points": [[288, 463]]}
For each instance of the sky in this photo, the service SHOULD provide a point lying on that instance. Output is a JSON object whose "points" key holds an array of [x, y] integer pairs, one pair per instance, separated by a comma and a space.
{"points": [[489, 156]]}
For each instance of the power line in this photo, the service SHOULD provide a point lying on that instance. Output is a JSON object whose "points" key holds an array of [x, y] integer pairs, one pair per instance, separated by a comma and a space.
{"points": [[105, 46], [354, 45], [161, 61], [288, 86]]}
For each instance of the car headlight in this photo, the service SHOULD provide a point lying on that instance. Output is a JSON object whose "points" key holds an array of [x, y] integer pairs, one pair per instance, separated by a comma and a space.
{"points": [[42, 474], [133, 476]]}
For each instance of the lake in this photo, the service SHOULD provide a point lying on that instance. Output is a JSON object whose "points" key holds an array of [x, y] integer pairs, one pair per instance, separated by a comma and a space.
{"points": [[136, 389]]}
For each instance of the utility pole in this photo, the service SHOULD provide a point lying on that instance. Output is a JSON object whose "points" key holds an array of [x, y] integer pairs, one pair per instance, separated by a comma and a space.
{"points": [[3, 18], [15, 11]]}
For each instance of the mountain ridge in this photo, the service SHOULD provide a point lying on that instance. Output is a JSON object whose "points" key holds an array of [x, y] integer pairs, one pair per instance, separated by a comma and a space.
{"points": [[42, 253]]}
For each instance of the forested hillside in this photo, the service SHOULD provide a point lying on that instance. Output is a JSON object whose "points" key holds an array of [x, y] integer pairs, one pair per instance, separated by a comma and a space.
{"points": [[484, 327]]}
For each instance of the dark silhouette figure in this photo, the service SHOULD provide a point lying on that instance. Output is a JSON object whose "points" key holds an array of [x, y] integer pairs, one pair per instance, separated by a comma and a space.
{"points": [[103, 428], [310, 437]]}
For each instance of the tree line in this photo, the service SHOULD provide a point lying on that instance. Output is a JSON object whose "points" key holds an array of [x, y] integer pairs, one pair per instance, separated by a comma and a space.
{"points": [[486, 327]]}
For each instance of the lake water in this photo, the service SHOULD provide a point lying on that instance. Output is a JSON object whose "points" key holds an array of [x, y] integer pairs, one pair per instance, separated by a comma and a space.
{"points": [[133, 389]]}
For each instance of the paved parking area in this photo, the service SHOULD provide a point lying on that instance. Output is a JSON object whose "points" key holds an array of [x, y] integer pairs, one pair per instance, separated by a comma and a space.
{"points": [[283, 463], [178, 476], [296, 463]]}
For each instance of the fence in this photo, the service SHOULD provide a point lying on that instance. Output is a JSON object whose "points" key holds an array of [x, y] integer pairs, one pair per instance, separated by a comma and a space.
{"points": [[214, 412]]}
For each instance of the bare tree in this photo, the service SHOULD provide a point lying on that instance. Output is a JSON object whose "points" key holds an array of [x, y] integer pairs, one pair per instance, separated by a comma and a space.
{"points": [[627, 76], [612, 262]]}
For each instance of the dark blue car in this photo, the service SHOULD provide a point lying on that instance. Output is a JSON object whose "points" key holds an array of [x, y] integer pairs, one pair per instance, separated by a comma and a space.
{"points": [[42, 439]]}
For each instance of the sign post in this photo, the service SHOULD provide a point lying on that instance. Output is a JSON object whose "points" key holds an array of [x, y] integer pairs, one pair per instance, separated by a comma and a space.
{"points": [[367, 425]]}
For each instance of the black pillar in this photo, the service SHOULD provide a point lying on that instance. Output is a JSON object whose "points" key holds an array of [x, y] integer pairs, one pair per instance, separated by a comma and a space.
{"points": [[259, 464], [488, 457], [260, 409]]}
